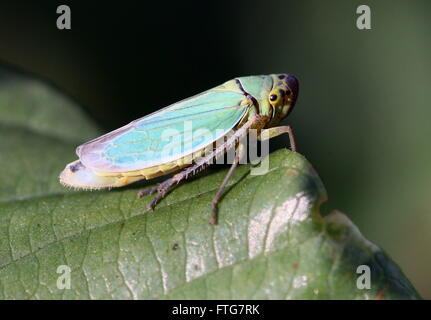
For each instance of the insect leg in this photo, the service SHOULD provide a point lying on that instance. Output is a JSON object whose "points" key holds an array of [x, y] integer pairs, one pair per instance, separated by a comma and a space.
{"points": [[163, 188], [146, 192], [239, 154], [276, 131]]}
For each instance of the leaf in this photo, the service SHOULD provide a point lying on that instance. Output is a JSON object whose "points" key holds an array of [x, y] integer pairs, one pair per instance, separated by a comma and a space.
{"points": [[271, 242]]}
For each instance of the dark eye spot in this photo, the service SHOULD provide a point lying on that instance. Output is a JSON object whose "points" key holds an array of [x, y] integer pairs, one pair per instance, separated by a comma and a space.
{"points": [[288, 92], [281, 76], [273, 97], [75, 167]]}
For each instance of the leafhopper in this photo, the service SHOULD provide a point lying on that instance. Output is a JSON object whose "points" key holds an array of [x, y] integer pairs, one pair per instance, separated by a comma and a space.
{"points": [[186, 136]]}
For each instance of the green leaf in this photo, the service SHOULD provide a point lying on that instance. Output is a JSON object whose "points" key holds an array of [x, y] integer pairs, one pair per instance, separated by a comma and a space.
{"points": [[271, 241]]}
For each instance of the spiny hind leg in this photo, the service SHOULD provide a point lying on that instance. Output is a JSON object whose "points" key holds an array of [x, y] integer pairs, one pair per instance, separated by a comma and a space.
{"points": [[163, 188]]}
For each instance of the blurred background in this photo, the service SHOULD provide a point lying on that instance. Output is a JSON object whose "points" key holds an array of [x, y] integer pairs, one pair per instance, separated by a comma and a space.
{"points": [[363, 114]]}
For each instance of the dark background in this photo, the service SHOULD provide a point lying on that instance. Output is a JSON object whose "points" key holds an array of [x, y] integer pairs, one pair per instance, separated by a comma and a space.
{"points": [[362, 118]]}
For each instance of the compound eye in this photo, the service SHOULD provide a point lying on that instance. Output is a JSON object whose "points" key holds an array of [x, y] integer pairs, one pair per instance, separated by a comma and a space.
{"points": [[276, 97]]}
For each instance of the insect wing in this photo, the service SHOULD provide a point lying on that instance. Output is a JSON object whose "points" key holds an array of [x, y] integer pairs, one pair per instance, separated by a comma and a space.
{"points": [[168, 134]]}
